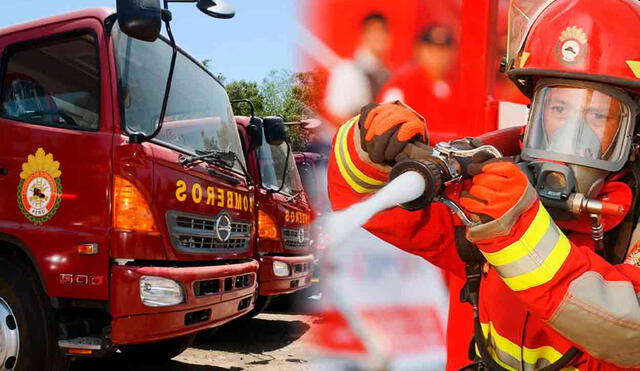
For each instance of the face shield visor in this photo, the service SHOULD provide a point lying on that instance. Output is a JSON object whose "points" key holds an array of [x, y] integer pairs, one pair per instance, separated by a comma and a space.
{"points": [[580, 123]]}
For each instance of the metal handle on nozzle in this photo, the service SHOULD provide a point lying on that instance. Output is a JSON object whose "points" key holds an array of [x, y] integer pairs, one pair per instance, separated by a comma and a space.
{"points": [[456, 209], [439, 166]]}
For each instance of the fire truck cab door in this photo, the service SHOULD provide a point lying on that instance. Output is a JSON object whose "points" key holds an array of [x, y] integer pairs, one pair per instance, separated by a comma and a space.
{"points": [[56, 133]]}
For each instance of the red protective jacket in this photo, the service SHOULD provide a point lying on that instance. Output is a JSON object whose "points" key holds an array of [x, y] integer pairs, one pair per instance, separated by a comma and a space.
{"points": [[545, 291]]}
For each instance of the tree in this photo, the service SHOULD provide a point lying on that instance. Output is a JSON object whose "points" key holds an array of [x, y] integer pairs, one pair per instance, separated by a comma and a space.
{"points": [[292, 95], [283, 93], [297, 138], [243, 89], [276, 91], [307, 90]]}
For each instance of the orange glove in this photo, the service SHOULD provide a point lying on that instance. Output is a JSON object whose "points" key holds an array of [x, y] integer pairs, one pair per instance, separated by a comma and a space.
{"points": [[496, 189], [385, 129]]}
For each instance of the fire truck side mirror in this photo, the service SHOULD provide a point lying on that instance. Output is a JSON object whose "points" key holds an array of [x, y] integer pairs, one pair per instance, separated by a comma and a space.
{"points": [[216, 8], [254, 131], [140, 19], [274, 130]]}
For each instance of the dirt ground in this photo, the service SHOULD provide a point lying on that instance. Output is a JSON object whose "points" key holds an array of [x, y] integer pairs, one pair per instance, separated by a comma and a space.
{"points": [[272, 341]]}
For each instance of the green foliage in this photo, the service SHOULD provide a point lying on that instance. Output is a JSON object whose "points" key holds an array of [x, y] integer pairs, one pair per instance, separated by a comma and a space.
{"points": [[307, 90], [290, 95], [245, 90], [297, 138], [220, 77]]}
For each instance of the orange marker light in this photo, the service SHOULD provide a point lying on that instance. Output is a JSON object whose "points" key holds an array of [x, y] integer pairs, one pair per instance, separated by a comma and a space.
{"points": [[80, 351], [267, 226], [131, 212], [87, 248]]}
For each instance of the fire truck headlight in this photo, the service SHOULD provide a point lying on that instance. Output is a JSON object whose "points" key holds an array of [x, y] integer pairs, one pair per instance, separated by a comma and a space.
{"points": [[160, 292], [280, 269]]}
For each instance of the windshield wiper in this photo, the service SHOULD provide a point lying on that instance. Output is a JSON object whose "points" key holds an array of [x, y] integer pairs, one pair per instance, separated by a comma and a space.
{"points": [[220, 158], [224, 159], [294, 195]]}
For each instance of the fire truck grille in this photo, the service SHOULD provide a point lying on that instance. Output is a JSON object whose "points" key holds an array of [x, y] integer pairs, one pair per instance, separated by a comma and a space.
{"points": [[195, 242], [295, 238], [216, 286], [302, 267], [197, 233]]}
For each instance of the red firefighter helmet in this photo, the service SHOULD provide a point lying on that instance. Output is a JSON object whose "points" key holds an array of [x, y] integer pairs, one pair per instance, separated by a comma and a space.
{"points": [[577, 39], [579, 62]]}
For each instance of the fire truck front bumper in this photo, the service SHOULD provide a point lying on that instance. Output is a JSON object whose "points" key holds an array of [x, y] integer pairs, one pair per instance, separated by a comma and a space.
{"points": [[284, 274], [153, 303]]}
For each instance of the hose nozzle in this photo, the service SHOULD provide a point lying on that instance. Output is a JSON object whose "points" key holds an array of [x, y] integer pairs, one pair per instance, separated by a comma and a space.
{"points": [[431, 174]]}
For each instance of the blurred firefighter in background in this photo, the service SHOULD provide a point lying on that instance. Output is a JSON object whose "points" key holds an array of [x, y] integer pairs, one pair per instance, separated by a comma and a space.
{"points": [[428, 83], [354, 83], [554, 294]]}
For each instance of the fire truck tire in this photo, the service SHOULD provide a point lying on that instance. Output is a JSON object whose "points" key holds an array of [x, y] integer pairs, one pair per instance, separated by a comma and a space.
{"points": [[158, 352], [27, 309]]}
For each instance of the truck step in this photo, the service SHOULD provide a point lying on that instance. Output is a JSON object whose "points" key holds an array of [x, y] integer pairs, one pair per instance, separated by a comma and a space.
{"points": [[81, 343]]}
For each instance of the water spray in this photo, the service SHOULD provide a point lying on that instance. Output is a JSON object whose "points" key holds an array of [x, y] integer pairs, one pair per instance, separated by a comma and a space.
{"points": [[414, 183], [341, 224]]}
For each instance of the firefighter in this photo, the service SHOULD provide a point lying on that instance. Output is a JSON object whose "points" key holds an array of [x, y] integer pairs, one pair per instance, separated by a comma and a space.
{"points": [[365, 74], [428, 84], [552, 293]]}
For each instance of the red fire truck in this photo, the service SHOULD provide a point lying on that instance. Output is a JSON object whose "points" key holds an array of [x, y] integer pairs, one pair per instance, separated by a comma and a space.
{"points": [[116, 231], [312, 168], [284, 213]]}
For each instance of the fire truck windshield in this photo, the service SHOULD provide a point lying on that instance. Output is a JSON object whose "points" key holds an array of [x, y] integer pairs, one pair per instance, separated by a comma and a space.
{"points": [[199, 116], [272, 161]]}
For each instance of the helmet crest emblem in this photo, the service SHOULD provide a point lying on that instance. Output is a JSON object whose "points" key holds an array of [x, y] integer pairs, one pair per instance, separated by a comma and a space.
{"points": [[572, 45]]}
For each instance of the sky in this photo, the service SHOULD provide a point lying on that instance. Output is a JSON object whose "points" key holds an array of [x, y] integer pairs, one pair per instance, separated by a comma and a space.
{"points": [[260, 38]]}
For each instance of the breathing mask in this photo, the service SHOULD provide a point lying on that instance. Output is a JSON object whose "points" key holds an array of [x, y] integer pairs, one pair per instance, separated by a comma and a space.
{"points": [[578, 133]]}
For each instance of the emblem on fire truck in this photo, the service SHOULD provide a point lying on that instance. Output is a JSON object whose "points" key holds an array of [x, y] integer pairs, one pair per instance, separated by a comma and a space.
{"points": [[40, 187], [223, 228], [572, 45]]}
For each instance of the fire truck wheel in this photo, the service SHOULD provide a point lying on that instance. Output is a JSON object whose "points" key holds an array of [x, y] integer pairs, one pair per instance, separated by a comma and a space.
{"points": [[26, 321], [158, 352]]}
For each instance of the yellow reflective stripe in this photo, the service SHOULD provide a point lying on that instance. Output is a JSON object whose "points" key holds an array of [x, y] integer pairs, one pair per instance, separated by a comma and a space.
{"points": [[340, 161], [502, 342], [531, 355], [546, 271], [489, 331], [362, 176], [498, 361], [495, 358], [360, 182], [526, 244]]}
